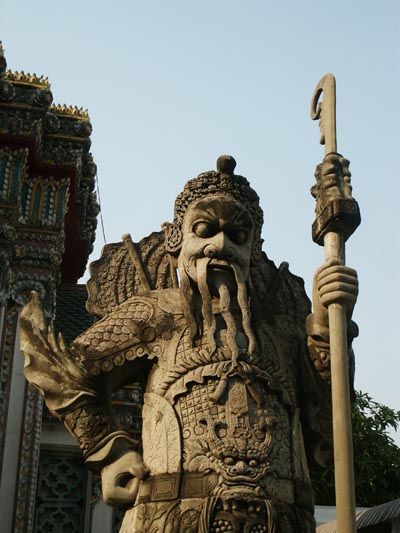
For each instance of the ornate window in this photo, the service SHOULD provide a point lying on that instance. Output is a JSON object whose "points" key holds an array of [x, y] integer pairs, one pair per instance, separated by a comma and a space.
{"points": [[61, 494], [44, 201], [12, 170]]}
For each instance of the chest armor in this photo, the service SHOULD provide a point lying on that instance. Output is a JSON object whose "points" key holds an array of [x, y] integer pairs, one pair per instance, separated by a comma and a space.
{"points": [[230, 426]]}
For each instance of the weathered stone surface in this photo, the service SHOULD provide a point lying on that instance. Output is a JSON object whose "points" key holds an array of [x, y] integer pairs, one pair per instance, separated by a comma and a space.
{"points": [[237, 392]]}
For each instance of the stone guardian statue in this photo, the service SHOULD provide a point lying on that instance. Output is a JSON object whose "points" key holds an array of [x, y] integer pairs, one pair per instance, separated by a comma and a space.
{"points": [[235, 368]]}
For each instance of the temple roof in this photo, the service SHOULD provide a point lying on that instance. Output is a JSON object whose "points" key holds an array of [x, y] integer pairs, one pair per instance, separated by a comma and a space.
{"points": [[57, 140], [369, 517], [72, 319]]}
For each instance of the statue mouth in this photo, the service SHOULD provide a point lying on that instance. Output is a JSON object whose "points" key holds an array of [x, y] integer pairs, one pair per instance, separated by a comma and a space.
{"points": [[243, 490], [219, 264], [245, 478]]}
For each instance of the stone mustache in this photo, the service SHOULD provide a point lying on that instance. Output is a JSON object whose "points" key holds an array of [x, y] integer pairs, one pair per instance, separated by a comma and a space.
{"points": [[235, 367]]}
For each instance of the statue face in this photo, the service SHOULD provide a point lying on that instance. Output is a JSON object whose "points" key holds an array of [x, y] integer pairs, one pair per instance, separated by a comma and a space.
{"points": [[218, 228]]}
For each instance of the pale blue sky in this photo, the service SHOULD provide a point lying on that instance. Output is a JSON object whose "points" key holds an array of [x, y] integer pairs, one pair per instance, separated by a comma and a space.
{"points": [[170, 85]]}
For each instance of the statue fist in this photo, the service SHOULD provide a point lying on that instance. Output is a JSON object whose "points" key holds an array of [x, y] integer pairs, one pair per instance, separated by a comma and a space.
{"points": [[334, 283], [120, 479], [333, 180]]}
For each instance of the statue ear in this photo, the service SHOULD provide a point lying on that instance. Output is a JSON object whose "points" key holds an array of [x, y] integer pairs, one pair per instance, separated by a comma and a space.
{"points": [[173, 237]]}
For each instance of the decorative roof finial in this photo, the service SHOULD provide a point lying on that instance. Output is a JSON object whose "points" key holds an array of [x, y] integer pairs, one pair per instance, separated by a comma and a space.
{"points": [[226, 164], [3, 62]]}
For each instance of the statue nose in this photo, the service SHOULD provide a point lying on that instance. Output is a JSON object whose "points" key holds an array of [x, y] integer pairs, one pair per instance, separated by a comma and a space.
{"points": [[240, 468], [220, 249]]}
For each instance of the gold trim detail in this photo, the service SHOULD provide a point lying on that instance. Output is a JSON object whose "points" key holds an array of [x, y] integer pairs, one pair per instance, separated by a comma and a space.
{"points": [[71, 111], [27, 79]]}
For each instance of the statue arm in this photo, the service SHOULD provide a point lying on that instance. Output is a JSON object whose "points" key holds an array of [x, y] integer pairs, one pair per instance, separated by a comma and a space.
{"points": [[107, 450], [319, 348], [97, 431], [82, 403]]}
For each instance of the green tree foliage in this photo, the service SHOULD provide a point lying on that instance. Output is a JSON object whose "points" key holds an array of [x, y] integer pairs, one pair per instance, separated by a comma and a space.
{"points": [[376, 457]]}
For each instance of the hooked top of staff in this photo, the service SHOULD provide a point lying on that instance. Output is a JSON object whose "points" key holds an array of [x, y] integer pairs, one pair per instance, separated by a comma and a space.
{"points": [[325, 111]]}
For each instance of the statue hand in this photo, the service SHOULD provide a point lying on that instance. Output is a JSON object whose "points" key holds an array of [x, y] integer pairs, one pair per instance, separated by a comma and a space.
{"points": [[333, 180], [334, 283], [120, 479]]}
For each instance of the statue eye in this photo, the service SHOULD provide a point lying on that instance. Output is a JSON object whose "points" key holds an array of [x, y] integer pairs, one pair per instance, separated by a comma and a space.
{"points": [[239, 236], [203, 229]]}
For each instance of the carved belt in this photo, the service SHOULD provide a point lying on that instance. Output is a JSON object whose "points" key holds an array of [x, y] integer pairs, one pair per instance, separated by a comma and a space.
{"points": [[172, 486], [165, 487]]}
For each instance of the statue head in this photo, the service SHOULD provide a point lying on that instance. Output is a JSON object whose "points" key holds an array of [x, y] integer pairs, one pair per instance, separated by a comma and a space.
{"points": [[216, 234], [226, 185]]}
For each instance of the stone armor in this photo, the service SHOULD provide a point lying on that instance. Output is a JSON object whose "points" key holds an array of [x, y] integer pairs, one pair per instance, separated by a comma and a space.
{"points": [[235, 368], [235, 455]]}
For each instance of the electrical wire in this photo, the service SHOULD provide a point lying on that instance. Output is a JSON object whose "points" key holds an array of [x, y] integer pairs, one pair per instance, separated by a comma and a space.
{"points": [[101, 211]]}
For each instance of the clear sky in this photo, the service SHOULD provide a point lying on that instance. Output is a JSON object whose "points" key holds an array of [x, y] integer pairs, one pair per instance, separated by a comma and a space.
{"points": [[171, 85]]}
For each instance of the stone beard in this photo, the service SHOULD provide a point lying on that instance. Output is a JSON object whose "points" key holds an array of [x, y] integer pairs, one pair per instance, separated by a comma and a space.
{"points": [[228, 304], [236, 391]]}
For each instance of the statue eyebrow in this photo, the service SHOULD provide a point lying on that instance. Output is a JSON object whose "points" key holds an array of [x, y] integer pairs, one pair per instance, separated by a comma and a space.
{"points": [[241, 217], [207, 211]]}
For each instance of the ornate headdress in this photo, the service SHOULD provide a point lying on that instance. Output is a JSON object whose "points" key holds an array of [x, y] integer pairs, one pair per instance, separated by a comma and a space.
{"points": [[220, 182]]}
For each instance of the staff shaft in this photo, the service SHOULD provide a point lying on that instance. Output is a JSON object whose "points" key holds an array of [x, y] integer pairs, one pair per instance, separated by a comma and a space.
{"points": [[341, 409]]}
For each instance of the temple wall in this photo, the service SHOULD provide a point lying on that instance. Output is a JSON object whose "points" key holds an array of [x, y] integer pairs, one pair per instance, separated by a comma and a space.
{"points": [[48, 216]]}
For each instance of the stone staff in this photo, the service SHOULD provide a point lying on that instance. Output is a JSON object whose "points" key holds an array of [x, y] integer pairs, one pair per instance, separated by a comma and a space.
{"points": [[337, 216]]}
